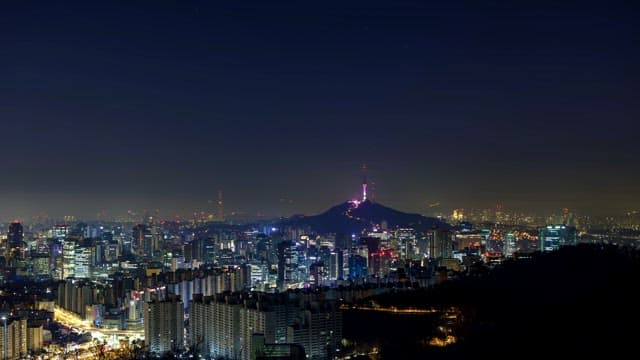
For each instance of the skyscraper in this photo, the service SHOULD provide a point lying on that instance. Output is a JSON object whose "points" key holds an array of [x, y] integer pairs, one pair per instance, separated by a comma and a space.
{"points": [[440, 244], [84, 254], [68, 258], [357, 266], [287, 264], [142, 242], [15, 240], [15, 236]]}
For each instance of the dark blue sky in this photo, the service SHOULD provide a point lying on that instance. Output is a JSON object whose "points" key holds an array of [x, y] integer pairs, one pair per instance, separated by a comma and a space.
{"points": [[156, 105]]}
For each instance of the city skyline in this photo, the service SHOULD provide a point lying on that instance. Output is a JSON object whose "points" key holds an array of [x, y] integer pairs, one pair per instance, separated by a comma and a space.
{"points": [[151, 106], [497, 213]]}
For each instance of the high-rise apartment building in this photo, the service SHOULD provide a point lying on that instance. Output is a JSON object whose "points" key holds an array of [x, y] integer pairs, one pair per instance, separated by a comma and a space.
{"points": [[35, 337], [15, 338], [213, 325], [225, 326], [318, 329], [164, 325]]}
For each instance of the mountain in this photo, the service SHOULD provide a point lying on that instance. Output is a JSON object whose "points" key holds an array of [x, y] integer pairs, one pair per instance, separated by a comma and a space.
{"points": [[352, 217]]}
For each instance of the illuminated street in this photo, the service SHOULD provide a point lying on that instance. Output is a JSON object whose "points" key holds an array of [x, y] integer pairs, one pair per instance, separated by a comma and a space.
{"points": [[390, 309], [72, 320]]}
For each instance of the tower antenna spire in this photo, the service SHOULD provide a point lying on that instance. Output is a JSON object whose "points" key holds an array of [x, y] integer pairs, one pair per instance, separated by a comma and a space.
{"points": [[364, 182], [220, 207]]}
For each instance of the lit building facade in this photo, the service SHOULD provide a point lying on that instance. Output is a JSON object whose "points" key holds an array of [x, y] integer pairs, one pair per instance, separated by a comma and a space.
{"points": [[440, 244], [15, 241], [319, 331], [357, 267], [83, 261], [68, 258], [142, 240], [214, 326], [15, 338], [35, 337], [553, 237], [226, 326], [289, 273], [164, 325]]}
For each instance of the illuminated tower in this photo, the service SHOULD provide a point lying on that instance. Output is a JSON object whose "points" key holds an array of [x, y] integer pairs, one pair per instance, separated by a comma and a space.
{"points": [[364, 182]]}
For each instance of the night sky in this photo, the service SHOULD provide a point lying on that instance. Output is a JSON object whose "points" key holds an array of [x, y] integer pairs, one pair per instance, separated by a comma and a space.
{"points": [[113, 106]]}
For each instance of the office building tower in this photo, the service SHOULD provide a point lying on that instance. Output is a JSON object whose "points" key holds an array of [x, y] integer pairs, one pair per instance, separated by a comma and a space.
{"points": [[15, 236], [553, 237], [336, 265], [68, 258], [111, 251], [60, 231], [407, 244], [40, 264], [509, 244], [15, 241], [357, 267], [83, 260], [440, 244], [287, 264], [142, 240]]}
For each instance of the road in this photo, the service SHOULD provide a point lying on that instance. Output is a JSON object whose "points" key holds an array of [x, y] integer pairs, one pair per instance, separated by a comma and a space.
{"points": [[70, 319]]}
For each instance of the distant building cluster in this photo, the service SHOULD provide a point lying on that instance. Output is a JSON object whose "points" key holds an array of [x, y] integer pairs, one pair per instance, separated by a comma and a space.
{"points": [[229, 291]]}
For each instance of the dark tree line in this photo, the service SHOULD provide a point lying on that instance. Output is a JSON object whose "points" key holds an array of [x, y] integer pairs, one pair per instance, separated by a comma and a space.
{"points": [[578, 301]]}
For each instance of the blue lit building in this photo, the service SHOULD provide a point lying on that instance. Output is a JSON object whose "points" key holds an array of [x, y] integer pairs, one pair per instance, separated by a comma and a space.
{"points": [[553, 237], [357, 267]]}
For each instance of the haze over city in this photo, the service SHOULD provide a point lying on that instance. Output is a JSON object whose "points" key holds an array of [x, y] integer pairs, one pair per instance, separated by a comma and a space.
{"points": [[158, 106], [328, 180]]}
